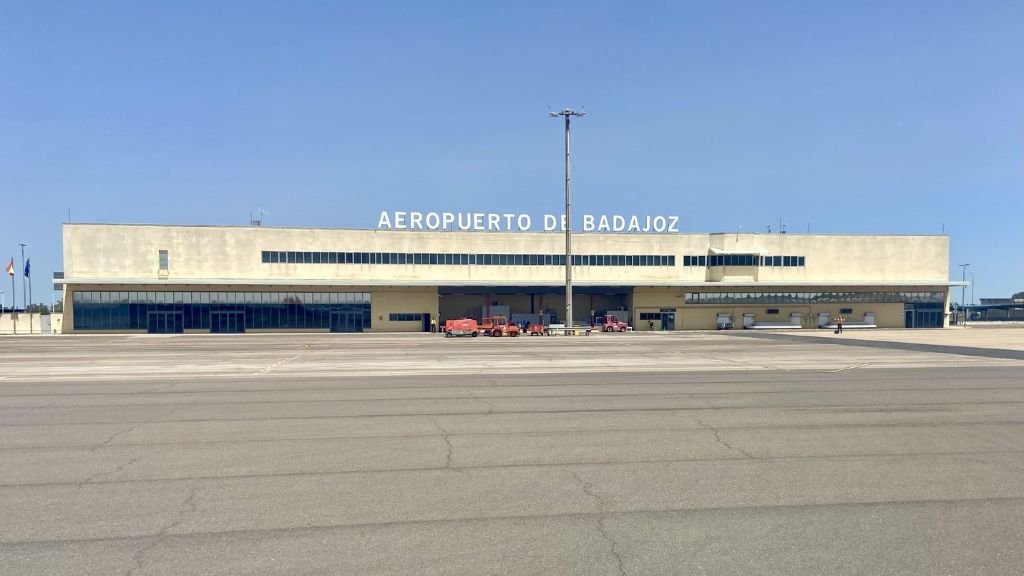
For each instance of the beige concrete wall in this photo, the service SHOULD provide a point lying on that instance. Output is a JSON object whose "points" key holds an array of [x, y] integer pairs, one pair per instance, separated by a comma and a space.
{"points": [[655, 299], [29, 324], [111, 252], [210, 253], [843, 258], [385, 301], [703, 317]]}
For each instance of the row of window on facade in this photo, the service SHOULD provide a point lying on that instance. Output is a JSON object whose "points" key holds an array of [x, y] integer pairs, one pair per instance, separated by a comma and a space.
{"points": [[743, 260], [459, 259], [210, 297], [406, 317], [109, 310], [810, 297], [446, 259]]}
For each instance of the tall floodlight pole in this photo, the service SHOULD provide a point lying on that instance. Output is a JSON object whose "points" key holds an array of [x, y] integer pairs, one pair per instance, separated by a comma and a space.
{"points": [[972, 288], [568, 113], [963, 287]]}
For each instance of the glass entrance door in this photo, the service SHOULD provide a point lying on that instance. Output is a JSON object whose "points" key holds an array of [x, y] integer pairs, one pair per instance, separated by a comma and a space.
{"points": [[346, 321], [165, 323], [923, 315], [668, 318], [227, 322]]}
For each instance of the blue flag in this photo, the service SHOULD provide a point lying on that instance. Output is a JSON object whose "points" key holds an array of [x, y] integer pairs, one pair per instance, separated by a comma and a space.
{"points": [[28, 265]]}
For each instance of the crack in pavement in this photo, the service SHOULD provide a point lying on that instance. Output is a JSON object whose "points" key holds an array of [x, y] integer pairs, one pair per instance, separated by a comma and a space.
{"points": [[116, 434], [161, 388], [186, 507], [613, 545], [490, 407], [718, 439], [132, 429], [97, 475], [448, 464]]}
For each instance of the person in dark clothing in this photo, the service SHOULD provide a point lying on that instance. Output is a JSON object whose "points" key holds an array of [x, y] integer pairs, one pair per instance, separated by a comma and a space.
{"points": [[839, 324]]}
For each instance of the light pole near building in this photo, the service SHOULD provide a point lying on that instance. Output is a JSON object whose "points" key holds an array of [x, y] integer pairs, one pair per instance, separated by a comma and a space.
{"points": [[567, 113], [972, 288], [963, 288]]}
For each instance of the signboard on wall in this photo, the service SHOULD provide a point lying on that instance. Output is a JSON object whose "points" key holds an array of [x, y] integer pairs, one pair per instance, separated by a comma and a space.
{"points": [[516, 222]]}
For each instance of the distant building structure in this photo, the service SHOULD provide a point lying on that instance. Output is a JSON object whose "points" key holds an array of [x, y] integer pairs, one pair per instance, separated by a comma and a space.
{"points": [[998, 309]]}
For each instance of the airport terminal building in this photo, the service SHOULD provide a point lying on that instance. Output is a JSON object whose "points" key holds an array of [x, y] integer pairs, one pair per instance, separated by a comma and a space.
{"points": [[156, 278]]}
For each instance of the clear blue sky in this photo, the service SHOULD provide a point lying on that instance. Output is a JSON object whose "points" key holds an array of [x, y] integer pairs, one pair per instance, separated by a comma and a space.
{"points": [[844, 117]]}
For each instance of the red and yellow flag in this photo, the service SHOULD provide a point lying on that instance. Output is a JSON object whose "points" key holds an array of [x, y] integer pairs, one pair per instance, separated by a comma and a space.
{"points": [[10, 267]]}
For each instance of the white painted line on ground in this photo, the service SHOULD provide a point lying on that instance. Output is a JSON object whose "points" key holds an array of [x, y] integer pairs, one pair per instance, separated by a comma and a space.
{"points": [[848, 367]]}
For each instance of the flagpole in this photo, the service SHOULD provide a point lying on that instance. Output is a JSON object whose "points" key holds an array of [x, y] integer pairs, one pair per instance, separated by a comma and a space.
{"points": [[28, 272], [24, 305], [14, 310]]}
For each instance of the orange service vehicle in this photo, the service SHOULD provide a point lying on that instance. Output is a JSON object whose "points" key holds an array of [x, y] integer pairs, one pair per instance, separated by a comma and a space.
{"points": [[611, 323], [461, 327], [499, 326]]}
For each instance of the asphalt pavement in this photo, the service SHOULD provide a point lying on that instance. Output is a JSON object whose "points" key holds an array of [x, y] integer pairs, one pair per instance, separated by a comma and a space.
{"points": [[684, 453]]}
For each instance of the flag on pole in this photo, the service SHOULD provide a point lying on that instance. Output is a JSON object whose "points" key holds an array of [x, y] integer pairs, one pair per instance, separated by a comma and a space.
{"points": [[28, 265], [10, 267]]}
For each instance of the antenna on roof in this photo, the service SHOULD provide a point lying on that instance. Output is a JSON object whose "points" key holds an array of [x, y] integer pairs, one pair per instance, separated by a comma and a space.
{"points": [[258, 221]]}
